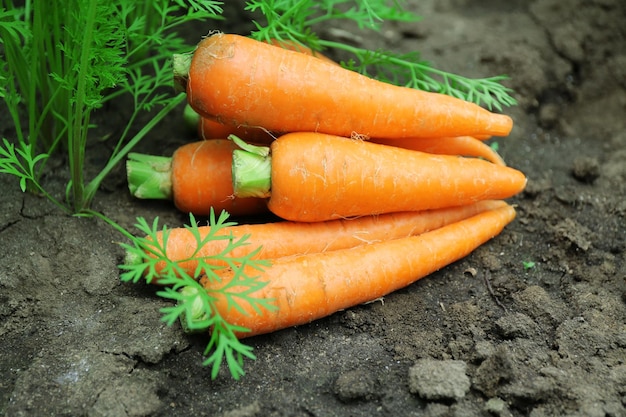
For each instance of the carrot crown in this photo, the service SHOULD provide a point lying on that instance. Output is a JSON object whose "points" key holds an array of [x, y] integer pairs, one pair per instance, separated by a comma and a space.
{"points": [[252, 170], [180, 69], [149, 176]]}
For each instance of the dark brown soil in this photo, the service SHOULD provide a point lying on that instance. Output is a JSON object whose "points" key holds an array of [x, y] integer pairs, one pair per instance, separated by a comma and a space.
{"points": [[484, 336]]}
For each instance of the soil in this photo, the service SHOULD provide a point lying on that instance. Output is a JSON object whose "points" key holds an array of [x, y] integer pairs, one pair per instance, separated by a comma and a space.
{"points": [[488, 335]]}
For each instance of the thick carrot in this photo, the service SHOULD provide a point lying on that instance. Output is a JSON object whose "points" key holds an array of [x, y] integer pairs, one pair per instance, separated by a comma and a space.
{"points": [[240, 81], [197, 177], [459, 145], [213, 129], [285, 238], [313, 177], [309, 287]]}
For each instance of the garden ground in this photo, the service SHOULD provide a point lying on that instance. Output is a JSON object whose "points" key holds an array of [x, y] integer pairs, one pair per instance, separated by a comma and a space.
{"points": [[488, 335]]}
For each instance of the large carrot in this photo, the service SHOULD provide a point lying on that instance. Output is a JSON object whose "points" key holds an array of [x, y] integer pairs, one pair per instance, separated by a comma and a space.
{"points": [[309, 287], [240, 81], [213, 129], [313, 177], [197, 177], [280, 239], [459, 145]]}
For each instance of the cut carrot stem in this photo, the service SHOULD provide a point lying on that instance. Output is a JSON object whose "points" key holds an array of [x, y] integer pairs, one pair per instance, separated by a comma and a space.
{"points": [[197, 177], [280, 239], [242, 82], [309, 287], [314, 177], [459, 145]]}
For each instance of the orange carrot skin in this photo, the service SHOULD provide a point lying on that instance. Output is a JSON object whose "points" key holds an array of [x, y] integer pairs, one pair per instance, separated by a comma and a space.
{"points": [[240, 81], [212, 129], [458, 145], [280, 239], [201, 180], [309, 287], [316, 177]]}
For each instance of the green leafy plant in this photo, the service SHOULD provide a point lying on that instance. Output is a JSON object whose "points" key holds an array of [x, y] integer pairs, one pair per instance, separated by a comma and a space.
{"points": [[65, 60], [528, 264], [195, 305]]}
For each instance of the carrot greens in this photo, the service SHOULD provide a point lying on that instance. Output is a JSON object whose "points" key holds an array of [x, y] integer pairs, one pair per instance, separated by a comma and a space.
{"points": [[64, 60], [195, 306]]}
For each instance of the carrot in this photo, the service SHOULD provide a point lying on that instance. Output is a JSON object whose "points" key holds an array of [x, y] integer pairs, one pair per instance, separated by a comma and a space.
{"points": [[312, 286], [212, 129], [240, 81], [280, 239], [314, 177], [459, 145], [197, 177]]}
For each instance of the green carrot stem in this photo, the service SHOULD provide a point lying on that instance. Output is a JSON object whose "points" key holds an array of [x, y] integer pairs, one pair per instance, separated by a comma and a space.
{"points": [[180, 69], [195, 313], [149, 176], [252, 173]]}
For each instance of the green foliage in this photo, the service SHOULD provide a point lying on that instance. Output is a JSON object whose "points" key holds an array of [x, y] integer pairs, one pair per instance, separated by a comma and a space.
{"points": [[64, 60], [295, 20], [195, 305]]}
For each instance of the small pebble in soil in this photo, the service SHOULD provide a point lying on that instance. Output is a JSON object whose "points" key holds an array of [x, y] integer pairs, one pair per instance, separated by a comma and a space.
{"points": [[356, 385], [439, 379], [586, 169]]}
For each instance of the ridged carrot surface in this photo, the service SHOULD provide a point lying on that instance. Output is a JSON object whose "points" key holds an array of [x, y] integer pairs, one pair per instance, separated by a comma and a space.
{"points": [[458, 145], [316, 177], [280, 239], [201, 180], [309, 287], [240, 81]]}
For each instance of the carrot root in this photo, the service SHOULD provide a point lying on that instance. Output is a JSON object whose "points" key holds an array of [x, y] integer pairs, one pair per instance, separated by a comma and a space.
{"points": [[312, 286], [281, 239]]}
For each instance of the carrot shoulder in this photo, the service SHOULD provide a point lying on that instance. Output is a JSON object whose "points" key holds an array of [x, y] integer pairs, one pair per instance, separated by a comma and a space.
{"points": [[280, 239], [240, 81], [309, 287], [313, 177], [197, 177]]}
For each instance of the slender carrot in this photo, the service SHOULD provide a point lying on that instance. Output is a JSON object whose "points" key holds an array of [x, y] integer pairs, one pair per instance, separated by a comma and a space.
{"points": [[212, 129], [197, 177], [459, 145], [280, 239], [240, 81], [313, 177], [309, 287]]}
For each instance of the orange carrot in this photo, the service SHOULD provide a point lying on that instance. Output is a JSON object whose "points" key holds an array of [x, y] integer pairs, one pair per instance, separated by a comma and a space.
{"points": [[459, 145], [197, 177], [309, 287], [240, 81], [314, 177], [280, 239], [212, 129]]}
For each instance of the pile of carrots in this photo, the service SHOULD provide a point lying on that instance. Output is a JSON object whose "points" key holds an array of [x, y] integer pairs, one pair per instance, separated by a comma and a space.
{"points": [[377, 185]]}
